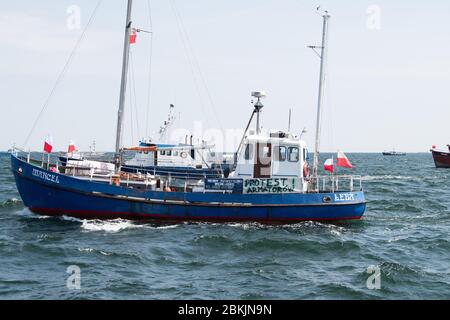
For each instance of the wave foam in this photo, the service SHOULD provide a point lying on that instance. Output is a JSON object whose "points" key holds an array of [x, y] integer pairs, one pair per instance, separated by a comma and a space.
{"points": [[10, 203], [112, 226], [26, 213]]}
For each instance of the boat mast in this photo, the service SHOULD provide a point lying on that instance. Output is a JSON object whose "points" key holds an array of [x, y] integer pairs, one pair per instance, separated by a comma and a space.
{"points": [[123, 86], [323, 59]]}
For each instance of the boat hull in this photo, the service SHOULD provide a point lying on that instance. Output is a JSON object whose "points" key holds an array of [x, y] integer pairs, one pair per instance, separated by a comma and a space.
{"points": [[53, 194], [441, 159]]}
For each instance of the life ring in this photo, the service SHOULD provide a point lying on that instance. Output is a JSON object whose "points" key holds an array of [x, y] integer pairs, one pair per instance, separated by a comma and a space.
{"points": [[306, 170], [183, 155]]}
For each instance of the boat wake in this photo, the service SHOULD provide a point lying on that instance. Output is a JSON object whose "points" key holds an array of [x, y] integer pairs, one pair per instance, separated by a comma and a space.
{"points": [[110, 226], [118, 225], [26, 213]]}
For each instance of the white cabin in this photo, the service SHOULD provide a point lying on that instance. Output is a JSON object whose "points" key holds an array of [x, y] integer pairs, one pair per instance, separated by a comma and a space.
{"points": [[194, 156], [273, 155]]}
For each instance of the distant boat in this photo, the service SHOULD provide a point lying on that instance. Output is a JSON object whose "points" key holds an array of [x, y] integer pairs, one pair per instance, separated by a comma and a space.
{"points": [[393, 153], [441, 158]]}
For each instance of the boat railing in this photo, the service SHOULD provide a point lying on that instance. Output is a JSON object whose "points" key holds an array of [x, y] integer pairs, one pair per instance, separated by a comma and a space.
{"points": [[335, 183]]}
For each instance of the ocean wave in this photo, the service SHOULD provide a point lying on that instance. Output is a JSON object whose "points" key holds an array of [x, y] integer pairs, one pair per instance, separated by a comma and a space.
{"points": [[72, 219], [12, 202], [161, 227], [91, 250], [300, 226], [245, 225], [26, 213], [118, 225], [110, 226], [389, 177]]}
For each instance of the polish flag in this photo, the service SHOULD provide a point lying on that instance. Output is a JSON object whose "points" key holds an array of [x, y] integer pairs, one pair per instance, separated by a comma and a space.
{"points": [[342, 160], [133, 36], [48, 145], [328, 165], [71, 147]]}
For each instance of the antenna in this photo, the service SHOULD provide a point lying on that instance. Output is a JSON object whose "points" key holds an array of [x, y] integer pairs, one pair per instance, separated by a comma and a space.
{"points": [[289, 123], [258, 106]]}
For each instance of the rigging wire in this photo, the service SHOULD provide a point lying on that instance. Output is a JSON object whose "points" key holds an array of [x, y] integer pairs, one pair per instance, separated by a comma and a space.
{"points": [[149, 67], [194, 63], [63, 72], [329, 105], [133, 85], [199, 69], [131, 111], [188, 57]]}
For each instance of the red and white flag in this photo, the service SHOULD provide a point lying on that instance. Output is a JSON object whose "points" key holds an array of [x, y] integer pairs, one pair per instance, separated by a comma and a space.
{"points": [[133, 36], [71, 147], [342, 160], [328, 165], [48, 145]]}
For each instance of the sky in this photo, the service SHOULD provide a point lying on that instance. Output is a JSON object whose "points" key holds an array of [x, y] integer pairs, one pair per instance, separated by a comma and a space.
{"points": [[387, 82]]}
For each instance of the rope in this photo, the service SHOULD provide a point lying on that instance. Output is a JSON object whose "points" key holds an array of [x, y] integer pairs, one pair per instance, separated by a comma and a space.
{"points": [[63, 72]]}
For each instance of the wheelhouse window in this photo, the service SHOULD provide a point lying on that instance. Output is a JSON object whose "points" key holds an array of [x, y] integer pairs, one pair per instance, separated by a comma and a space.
{"points": [[162, 153], [293, 154], [265, 152], [280, 153], [175, 153], [248, 152], [169, 153]]}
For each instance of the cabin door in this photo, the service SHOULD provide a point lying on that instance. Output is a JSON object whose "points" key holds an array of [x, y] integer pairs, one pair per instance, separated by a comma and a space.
{"points": [[263, 161]]}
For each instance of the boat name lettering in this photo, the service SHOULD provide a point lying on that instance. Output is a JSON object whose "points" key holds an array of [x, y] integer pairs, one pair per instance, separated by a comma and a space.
{"points": [[45, 176], [271, 185], [344, 197]]}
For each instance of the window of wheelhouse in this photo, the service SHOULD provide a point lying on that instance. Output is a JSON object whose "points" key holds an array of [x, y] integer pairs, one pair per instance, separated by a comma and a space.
{"points": [[162, 153], [280, 153], [248, 154], [293, 154]]}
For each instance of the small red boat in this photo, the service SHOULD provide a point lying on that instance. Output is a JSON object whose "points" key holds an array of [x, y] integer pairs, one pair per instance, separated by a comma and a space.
{"points": [[441, 158]]}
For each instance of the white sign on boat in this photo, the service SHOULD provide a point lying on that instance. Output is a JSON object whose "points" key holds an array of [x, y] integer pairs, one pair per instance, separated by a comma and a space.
{"points": [[270, 185]]}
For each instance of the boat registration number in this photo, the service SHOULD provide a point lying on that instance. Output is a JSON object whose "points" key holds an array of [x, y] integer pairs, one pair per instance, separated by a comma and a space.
{"points": [[344, 197]]}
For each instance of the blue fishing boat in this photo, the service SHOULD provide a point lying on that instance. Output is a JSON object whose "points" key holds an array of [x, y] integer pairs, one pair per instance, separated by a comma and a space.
{"points": [[270, 183]]}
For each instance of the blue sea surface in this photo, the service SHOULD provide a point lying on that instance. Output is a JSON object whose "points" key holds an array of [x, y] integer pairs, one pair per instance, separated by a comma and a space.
{"points": [[405, 234]]}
